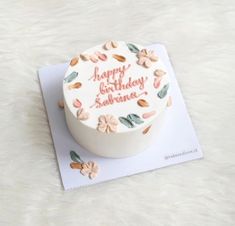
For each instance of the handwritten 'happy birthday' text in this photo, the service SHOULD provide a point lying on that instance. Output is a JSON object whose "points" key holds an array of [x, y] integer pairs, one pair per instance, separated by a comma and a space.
{"points": [[112, 82]]}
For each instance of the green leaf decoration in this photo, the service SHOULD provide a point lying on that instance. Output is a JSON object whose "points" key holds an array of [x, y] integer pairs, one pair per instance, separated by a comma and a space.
{"points": [[128, 123], [162, 93], [71, 77], [132, 48], [75, 157], [135, 118]]}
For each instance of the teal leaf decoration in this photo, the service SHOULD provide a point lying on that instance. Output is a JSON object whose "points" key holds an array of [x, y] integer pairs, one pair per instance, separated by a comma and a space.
{"points": [[162, 93], [75, 157], [135, 118], [125, 121], [132, 48], [71, 77]]}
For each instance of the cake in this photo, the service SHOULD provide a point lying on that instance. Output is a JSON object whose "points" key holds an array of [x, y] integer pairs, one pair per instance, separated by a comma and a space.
{"points": [[115, 96]]}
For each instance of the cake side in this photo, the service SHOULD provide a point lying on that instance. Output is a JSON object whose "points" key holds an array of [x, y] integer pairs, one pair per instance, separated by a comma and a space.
{"points": [[113, 145]]}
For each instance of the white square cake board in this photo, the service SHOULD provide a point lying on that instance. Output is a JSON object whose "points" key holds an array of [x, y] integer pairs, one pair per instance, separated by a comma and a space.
{"points": [[176, 143]]}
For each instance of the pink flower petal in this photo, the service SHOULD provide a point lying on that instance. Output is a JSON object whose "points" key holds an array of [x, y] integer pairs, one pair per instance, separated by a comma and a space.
{"points": [[148, 114], [101, 56], [157, 82], [77, 103]]}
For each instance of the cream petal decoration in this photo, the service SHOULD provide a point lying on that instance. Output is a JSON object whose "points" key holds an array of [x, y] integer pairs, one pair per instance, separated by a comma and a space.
{"points": [[141, 54], [159, 72], [108, 45], [102, 119], [153, 57], [85, 57], [93, 58], [141, 60], [169, 102], [147, 63], [82, 114], [114, 44], [101, 128]]}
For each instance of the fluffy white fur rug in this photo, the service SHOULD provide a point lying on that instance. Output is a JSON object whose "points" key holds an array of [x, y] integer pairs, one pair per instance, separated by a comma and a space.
{"points": [[200, 37]]}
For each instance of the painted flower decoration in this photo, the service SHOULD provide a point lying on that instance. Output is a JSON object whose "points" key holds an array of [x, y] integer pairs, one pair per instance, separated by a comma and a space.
{"points": [[90, 168], [145, 58], [107, 124]]}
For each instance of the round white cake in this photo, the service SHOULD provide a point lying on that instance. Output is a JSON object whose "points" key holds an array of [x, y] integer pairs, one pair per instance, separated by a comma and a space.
{"points": [[115, 95]]}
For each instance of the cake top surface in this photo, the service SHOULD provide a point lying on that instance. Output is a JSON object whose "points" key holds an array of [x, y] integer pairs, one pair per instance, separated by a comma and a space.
{"points": [[116, 87]]}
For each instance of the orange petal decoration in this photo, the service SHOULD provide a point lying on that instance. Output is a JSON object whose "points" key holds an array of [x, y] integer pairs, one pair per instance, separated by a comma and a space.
{"points": [[76, 165], [119, 58], [146, 129], [76, 85], [74, 61], [61, 104]]}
